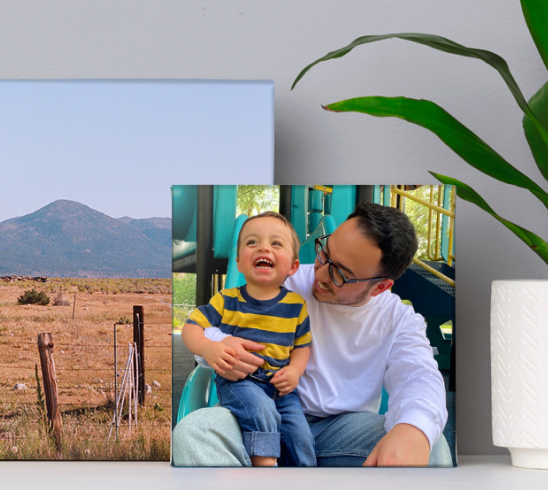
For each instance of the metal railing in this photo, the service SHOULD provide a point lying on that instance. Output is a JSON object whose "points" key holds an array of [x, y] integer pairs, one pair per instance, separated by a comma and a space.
{"points": [[437, 210]]}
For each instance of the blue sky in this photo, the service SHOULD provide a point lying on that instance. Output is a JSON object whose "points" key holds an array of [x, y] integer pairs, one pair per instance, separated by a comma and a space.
{"points": [[118, 146]]}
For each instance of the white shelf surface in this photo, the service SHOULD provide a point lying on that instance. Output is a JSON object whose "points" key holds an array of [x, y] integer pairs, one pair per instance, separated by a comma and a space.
{"points": [[473, 472]]}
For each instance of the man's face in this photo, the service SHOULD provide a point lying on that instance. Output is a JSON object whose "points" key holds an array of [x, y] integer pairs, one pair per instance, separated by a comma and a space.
{"points": [[358, 258]]}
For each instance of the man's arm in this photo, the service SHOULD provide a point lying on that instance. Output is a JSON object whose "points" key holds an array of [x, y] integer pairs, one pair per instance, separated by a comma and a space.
{"points": [[218, 355], [416, 414], [244, 362]]}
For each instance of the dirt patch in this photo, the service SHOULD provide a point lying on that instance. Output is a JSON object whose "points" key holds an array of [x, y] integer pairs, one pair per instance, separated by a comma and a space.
{"points": [[83, 333]]}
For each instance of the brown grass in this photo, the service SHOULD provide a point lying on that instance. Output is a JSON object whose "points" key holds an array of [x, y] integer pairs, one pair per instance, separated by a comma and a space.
{"points": [[84, 361]]}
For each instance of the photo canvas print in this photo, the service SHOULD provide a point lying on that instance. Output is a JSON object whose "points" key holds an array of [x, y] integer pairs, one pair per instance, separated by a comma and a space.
{"points": [[85, 247], [313, 325]]}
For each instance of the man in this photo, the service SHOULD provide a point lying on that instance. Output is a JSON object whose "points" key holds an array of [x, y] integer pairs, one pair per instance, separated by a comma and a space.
{"points": [[363, 337]]}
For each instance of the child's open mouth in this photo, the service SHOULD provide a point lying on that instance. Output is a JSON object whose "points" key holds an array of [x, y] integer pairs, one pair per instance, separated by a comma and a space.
{"points": [[263, 264]]}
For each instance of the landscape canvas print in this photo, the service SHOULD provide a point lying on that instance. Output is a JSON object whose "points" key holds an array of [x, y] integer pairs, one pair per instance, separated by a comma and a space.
{"points": [[85, 247], [238, 280]]}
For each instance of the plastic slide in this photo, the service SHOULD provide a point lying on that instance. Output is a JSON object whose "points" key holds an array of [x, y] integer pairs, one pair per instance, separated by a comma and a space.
{"points": [[199, 390]]}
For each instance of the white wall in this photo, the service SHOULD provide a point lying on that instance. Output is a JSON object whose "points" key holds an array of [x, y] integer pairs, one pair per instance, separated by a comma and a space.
{"points": [[260, 39]]}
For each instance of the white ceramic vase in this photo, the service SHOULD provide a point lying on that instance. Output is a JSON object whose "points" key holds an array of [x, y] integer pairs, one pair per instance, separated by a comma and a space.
{"points": [[519, 370]]}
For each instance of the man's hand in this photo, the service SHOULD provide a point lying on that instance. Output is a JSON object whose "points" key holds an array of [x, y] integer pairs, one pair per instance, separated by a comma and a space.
{"points": [[286, 379], [404, 445], [219, 356], [244, 362]]}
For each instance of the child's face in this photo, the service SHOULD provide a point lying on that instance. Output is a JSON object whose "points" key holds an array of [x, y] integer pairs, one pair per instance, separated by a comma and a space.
{"points": [[266, 252]]}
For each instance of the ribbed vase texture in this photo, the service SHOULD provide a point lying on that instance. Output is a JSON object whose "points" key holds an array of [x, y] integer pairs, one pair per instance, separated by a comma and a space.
{"points": [[519, 369]]}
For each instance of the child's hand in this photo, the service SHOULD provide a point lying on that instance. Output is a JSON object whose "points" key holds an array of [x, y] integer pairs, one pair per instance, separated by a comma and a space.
{"points": [[286, 379], [219, 356]]}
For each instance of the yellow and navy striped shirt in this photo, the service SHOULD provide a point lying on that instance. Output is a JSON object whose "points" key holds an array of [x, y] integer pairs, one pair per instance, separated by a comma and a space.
{"points": [[280, 324]]}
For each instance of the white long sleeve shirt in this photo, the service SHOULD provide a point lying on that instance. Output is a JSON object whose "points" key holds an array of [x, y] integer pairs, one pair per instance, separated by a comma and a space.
{"points": [[357, 350]]}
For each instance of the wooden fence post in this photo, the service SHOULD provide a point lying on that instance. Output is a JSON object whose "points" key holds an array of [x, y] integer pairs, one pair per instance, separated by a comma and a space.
{"points": [[45, 348], [139, 339]]}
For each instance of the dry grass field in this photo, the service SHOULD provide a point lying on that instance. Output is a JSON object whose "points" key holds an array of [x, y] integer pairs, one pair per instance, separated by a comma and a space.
{"points": [[83, 333]]}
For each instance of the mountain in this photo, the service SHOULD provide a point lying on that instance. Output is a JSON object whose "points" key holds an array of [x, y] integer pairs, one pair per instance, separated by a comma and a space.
{"points": [[69, 239], [157, 229]]}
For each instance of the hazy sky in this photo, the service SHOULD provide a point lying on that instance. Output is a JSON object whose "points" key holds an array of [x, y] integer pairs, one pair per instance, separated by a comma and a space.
{"points": [[118, 146]]}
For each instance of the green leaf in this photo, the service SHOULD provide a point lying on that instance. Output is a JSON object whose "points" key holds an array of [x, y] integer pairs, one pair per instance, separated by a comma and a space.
{"points": [[448, 46], [539, 149], [533, 241], [536, 17], [455, 135]]}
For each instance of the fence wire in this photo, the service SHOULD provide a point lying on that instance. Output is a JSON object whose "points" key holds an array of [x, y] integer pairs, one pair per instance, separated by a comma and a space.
{"points": [[97, 389], [68, 346], [61, 369], [105, 425]]}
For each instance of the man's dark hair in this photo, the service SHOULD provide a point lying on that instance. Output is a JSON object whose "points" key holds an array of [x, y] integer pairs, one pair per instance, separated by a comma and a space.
{"points": [[392, 232]]}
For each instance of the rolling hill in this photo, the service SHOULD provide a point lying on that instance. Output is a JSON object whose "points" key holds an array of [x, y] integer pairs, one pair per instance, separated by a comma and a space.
{"points": [[69, 239]]}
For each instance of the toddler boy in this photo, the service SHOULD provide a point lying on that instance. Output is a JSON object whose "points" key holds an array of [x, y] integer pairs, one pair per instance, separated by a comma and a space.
{"points": [[265, 403]]}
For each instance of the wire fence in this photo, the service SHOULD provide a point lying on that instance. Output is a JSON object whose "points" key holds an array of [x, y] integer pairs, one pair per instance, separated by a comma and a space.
{"points": [[97, 424], [11, 343], [84, 382], [82, 369], [86, 402]]}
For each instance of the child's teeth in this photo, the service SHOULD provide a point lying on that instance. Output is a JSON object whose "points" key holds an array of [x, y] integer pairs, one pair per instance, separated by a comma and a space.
{"points": [[263, 264]]}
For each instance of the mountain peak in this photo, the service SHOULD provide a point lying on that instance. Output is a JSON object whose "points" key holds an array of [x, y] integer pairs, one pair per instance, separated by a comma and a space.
{"points": [[69, 239], [66, 205]]}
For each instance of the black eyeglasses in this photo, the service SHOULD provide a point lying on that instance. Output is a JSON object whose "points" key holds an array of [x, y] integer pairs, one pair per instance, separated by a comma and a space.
{"points": [[334, 272]]}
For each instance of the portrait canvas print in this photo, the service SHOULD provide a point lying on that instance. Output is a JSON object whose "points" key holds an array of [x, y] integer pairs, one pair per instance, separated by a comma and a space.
{"points": [[85, 249], [313, 325]]}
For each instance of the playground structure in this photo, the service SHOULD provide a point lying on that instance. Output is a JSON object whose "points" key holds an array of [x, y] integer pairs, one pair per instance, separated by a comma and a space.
{"points": [[205, 232]]}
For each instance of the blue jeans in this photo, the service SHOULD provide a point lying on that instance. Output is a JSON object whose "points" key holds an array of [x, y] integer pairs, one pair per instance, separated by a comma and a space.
{"points": [[212, 437], [272, 425]]}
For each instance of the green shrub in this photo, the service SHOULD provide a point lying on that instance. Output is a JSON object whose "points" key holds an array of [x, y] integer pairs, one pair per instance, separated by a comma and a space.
{"points": [[124, 320], [33, 297]]}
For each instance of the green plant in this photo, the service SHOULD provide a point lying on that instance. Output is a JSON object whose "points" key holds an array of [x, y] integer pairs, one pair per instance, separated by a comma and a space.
{"points": [[458, 137], [124, 320], [255, 199], [33, 297], [184, 289]]}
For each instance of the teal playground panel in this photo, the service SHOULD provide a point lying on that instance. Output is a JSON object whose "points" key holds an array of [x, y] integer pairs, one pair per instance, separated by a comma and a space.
{"points": [[184, 215], [224, 218], [343, 202], [185, 211], [234, 278], [299, 210]]}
